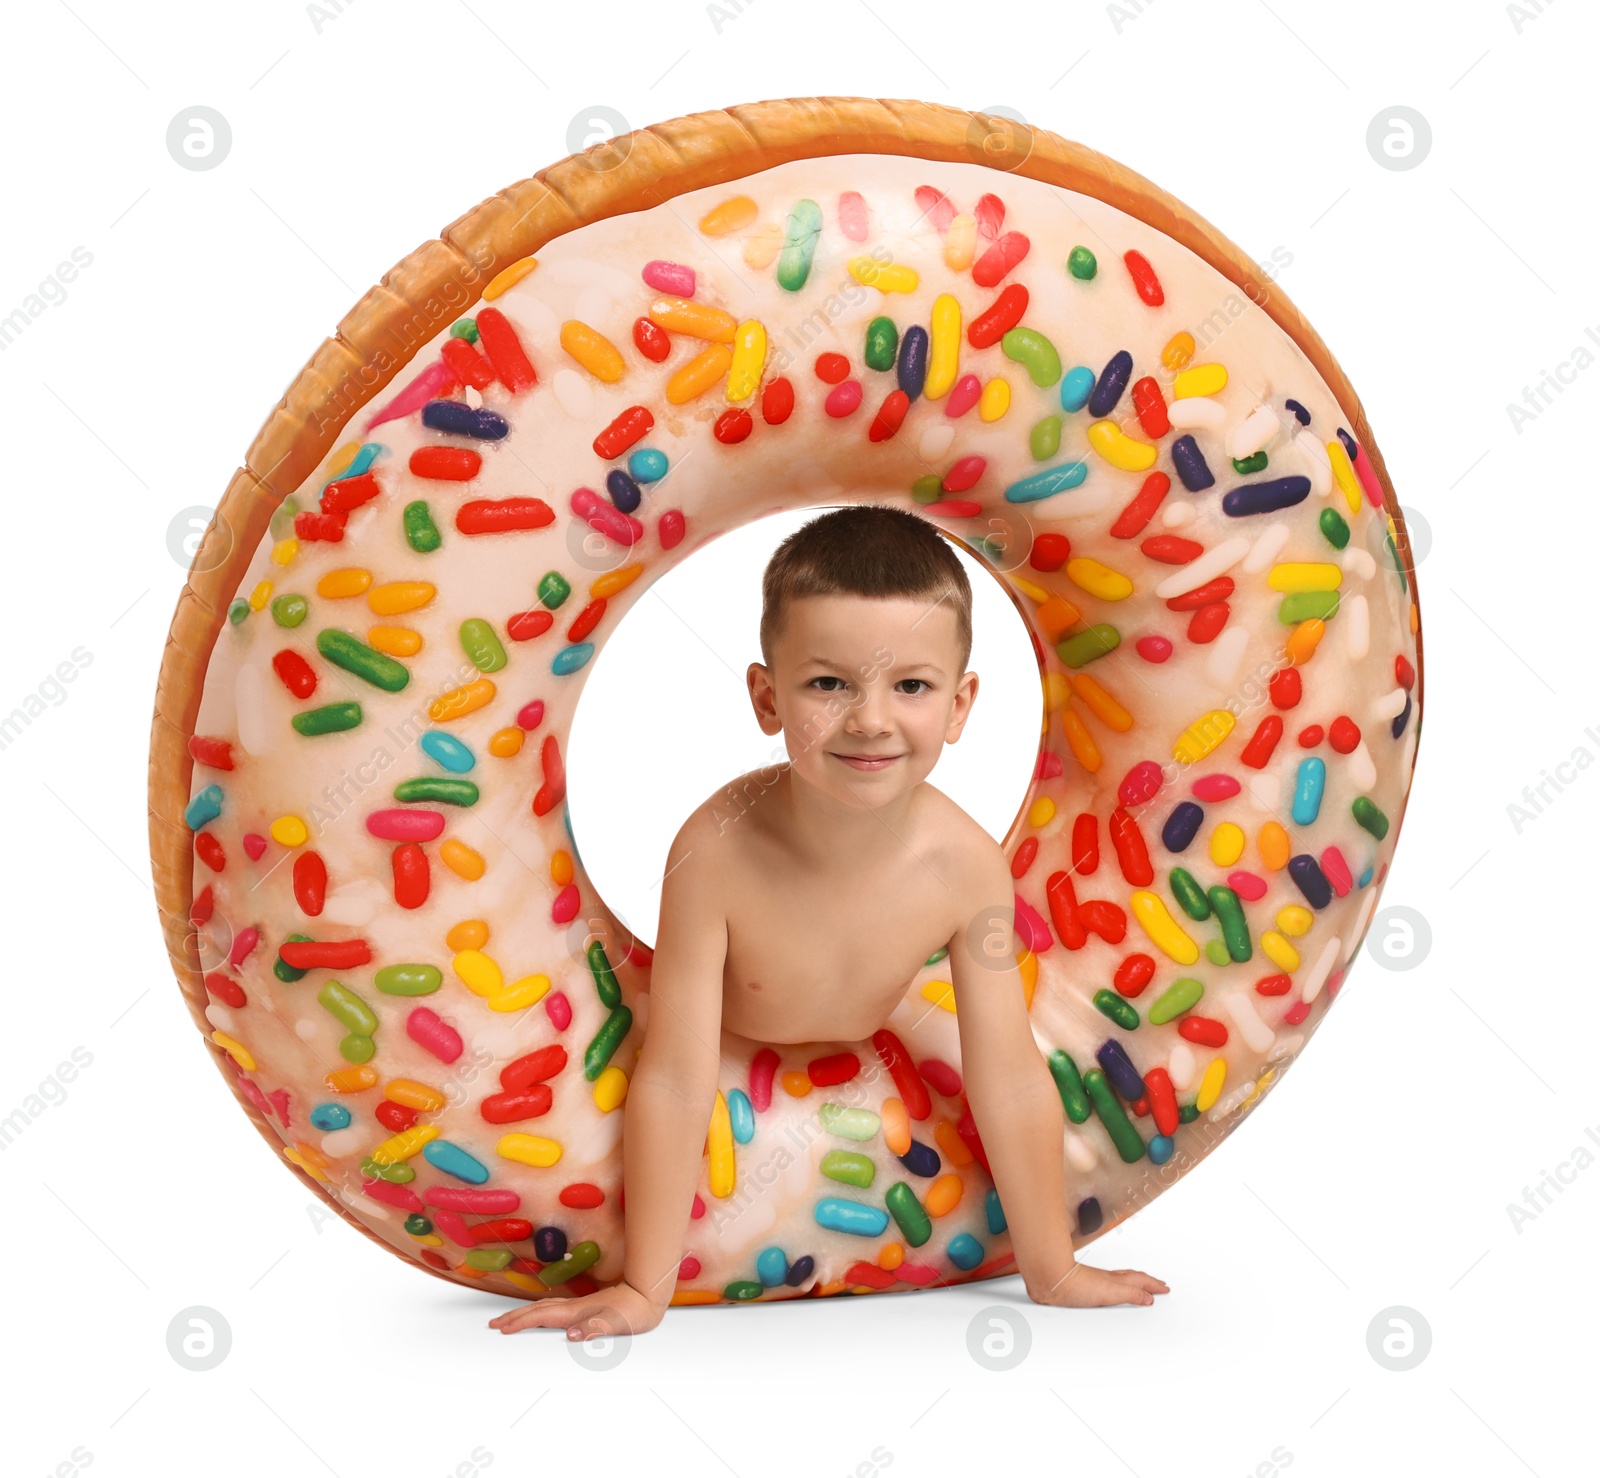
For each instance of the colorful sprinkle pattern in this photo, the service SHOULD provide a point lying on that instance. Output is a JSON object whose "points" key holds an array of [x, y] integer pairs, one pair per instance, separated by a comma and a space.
{"points": [[410, 973]]}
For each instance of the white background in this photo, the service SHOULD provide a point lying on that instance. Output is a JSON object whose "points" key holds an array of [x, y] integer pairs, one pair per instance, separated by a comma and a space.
{"points": [[1380, 1175]]}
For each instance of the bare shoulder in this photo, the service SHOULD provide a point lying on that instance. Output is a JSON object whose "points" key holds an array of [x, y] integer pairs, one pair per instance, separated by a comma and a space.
{"points": [[974, 863], [708, 842]]}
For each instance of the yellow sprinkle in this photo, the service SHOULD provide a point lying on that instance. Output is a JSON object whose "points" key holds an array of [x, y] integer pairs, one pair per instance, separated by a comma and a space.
{"points": [[944, 346], [1152, 916], [509, 277], [1227, 844], [461, 859], [1345, 475], [1272, 842], [414, 1095], [427, 1239], [1202, 736], [288, 831], [1278, 949], [719, 1147], [941, 993], [529, 1284], [405, 1144], [1293, 577], [1056, 691], [733, 214], [342, 458], [341, 584], [1119, 449], [561, 867], [1294, 920], [1179, 351], [524, 993], [461, 701], [593, 350], [505, 743], [749, 359], [961, 243], [236, 1050], [1079, 740], [761, 247], [284, 551], [528, 1149], [395, 641], [699, 374], [399, 596], [995, 400], [468, 934], [887, 278], [1099, 580], [612, 581], [1201, 379], [478, 972], [1042, 811], [261, 595], [295, 1157], [1101, 703], [1036, 593], [1211, 1084]]}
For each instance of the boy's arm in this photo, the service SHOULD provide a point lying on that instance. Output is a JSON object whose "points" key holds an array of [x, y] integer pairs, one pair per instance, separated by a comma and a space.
{"points": [[1014, 1100], [669, 1103]]}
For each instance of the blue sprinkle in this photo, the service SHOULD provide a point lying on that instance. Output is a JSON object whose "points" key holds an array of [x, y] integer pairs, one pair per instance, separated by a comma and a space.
{"points": [[461, 419], [800, 1271], [1349, 443], [624, 491], [772, 1267], [206, 806], [965, 1251], [1090, 1217], [1160, 1149], [1298, 411], [1365, 877], [1076, 387], [1398, 727], [1046, 484], [454, 1160], [363, 460], [1112, 382], [993, 1214], [1309, 879], [1190, 464], [549, 1244], [330, 1116], [840, 1215], [570, 659], [911, 367], [448, 752], [1120, 1071], [1308, 782], [741, 1116], [921, 1159], [1265, 497], [647, 465], [1182, 826]]}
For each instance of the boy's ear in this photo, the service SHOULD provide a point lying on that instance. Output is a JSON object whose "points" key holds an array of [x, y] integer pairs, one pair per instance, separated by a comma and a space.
{"points": [[961, 709], [759, 682]]}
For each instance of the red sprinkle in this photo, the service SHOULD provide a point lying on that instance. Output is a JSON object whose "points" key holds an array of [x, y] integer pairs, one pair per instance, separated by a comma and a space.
{"points": [[991, 214], [503, 515], [1000, 258], [1169, 549], [411, 881], [445, 463], [469, 366], [526, 625], [936, 206], [1151, 408], [310, 882], [225, 988], [1024, 856], [295, 673], [1265, 739], [512, 1108], [582, 1196], [1284, 687], [504, 348], [1050, 552], [777, 401], [621, 434], [890, 414], [324, 954], [1145, 281], [732, 426], [1207, 622], [1131, 521], [554, 788], [839, 1067], [218, 753], [940, 1076], [350, 492], [587, 619], [843, 399], [1310, 737], [1134, 974], [1132, 855], [997, 320], [1343, 734], [319, 528], [1085, 843], [832, 368], [670, 527], [964, 475], [535, 1067], [1204, 1030], [651, 340], [1202, 595]]}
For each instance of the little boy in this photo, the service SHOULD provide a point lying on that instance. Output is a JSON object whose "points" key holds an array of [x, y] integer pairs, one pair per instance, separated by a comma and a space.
{"points": [[805, 919]]}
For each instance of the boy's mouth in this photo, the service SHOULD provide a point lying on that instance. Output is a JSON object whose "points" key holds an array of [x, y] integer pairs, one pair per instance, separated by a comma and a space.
{"points": [[866, 761]]}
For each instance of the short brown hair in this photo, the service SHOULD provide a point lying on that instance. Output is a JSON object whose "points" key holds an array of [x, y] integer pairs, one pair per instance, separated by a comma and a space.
{"points": [[869, 549]]}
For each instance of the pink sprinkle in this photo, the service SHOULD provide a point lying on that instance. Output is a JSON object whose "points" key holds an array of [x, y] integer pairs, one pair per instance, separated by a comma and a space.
{"points": [[936, 206], [245, 941], [964, 394], [438, 1037], [843, 399], [1141, 784], [453, 1227], [669, 277], [436, 380], [940, 1076], [606, 518], [401, 824], [565, 909], [1034, 932], [1153, 648], [1297, 1013], [254, 846], [698, 1209], [1247, 885], [280, 1103], [670, 528], [531, 715], [991, 213], [964, 474], [689, 1268], [1049, 766], [1369, 478], [559, 1009], [1336, 870], [917, 1273], [1214, 788], [853, 215], [952, 508], [762, 1067], [392, 1195], [257, 1098], [1334, 982], [485, 1201]]}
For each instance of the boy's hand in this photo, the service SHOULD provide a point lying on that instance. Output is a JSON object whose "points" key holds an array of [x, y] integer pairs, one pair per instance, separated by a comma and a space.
{"points": [[617, 1310], [1083, 1287]]}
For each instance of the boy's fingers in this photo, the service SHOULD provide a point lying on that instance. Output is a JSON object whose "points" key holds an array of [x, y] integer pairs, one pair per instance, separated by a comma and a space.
{"points": [[544, 1314]]}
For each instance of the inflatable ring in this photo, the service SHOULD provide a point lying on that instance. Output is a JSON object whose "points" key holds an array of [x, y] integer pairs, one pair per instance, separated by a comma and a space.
{"points": [[370, 883]]}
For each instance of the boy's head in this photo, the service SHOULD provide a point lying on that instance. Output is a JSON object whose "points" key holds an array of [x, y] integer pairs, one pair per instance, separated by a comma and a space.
{"points": [[866, 630]]}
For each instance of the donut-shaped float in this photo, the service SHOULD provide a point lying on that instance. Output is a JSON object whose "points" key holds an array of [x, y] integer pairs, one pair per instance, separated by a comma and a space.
{"points": [[370, 879]]}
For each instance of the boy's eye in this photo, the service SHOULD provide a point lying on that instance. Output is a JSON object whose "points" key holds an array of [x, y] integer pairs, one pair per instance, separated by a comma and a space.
{"points": [[922, 683], [816, 680]]}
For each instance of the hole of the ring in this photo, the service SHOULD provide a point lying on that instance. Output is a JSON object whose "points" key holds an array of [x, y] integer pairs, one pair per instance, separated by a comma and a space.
{"points": [[665, 717]]}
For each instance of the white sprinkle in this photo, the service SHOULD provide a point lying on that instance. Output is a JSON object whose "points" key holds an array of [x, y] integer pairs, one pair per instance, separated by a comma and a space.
{"points": [[1315, 457], [574, 394], [1180, 1066], [1175, 515], [1227, 655], [1269, 543], [936, 441], [1358, 763], [1197, 413], [1255, 433], [1390, 706], [1357, 626], [1256, 1033], [1311, 985]]}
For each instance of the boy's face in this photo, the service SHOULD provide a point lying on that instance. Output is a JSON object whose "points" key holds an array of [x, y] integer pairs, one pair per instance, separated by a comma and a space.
{"points": [[865, 692]]}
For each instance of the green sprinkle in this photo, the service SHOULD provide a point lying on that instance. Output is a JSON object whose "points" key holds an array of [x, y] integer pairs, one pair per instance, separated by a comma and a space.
{"points": [[419, 1226], [348, 1009], [281, 524], [1244, 466], [883, 340], [408, 980], [1044, 441], [1084, 648], [397, 1174], [1369, 817], [908, 1212], [489, 1259], [553, 589], [238, 609], [1035, 353], [357, 658], [1216, 952], [929, 488], [1190, 895], [743, 1290], [1126, 1138], [331, 718], [847, 1123], [800, 235], [1307, 605], [606, 1041], [481, 645], [465, 328], [1230, 915], [422, 533], [1118, 1008], [1187, 1113], [1334, 529], [849, 1167], [937, 955], [289, 610], [1175, 1000], [579, 1259], [1069, 1085], [438, 789], [1081, 263], [605, 978]]}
